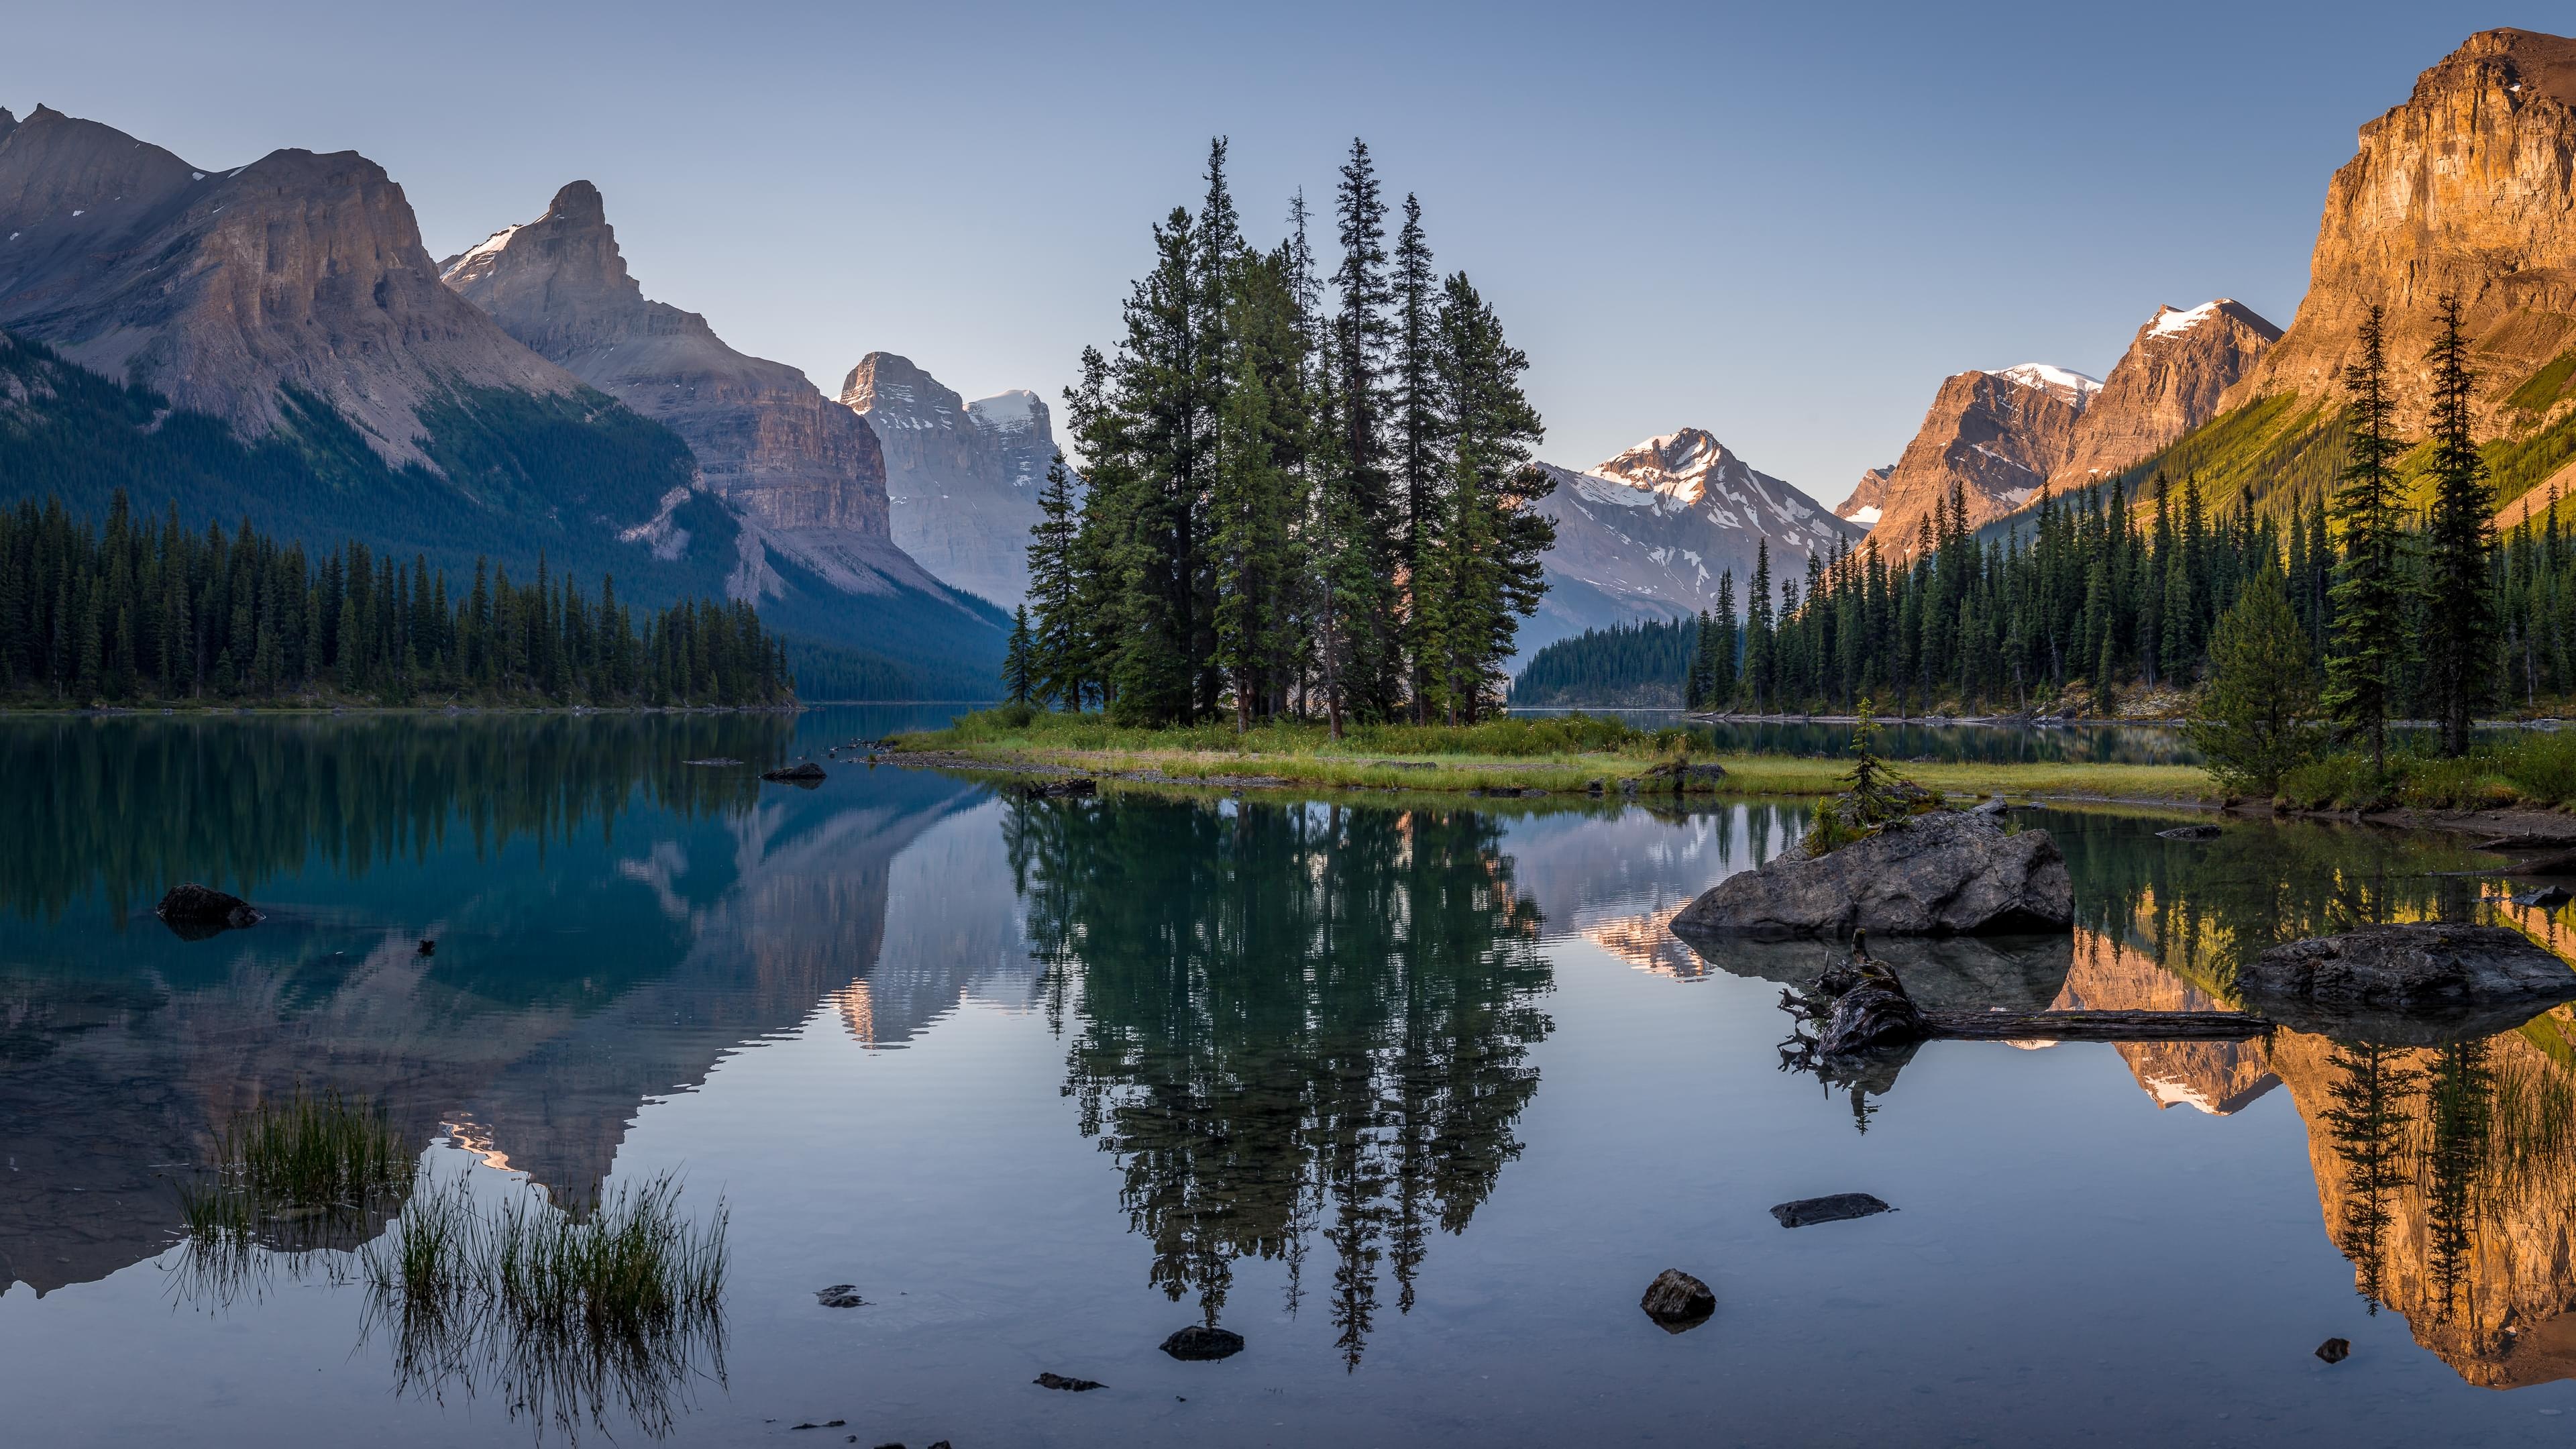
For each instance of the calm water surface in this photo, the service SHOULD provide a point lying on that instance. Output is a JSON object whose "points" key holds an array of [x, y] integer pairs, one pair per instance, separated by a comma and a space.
{"points": [[1417, 1099]]}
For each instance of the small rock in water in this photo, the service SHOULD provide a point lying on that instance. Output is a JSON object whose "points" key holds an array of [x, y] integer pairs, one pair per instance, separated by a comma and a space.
{"points": [[1993, 805], [807, 773], [428, 947], [1080, 787], [840, 1295], [2335, 1350], [1071, 1386], [1830, 1209], [196, 911], [1199, 1343], [2189, 832], [1677, 1301]]}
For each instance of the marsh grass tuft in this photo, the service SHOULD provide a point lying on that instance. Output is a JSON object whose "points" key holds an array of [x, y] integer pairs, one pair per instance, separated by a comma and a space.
{"points": [[311, 1172], [566, 1313]]}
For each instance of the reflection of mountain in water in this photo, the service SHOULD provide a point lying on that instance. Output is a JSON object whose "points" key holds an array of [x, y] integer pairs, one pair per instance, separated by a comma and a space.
{"points": [[598, 947], [2217, 1077], [1614, 875], [1294, 1025]]}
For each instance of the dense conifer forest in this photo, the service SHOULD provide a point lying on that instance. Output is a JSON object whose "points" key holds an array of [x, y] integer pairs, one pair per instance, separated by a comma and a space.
{"points": [[1641, 665], [134, 612], [1295, 501]]}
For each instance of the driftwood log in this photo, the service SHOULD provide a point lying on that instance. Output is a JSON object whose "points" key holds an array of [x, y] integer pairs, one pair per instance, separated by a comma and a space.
{"points": [[1861, 1004]]}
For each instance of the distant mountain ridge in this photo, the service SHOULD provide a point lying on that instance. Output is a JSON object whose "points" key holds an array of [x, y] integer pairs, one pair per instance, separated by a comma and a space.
{"points": [[274, 342], [962, 478], [808, 477], [1648, 533]]}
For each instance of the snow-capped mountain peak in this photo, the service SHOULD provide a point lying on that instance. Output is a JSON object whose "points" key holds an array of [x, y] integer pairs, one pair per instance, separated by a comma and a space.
{"points": [[2065, 382]]}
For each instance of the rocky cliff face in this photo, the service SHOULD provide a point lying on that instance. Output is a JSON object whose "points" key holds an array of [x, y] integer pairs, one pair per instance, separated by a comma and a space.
{"points": [[1997, 435], [807, 474], [222, 289], [1649, 532], [1868, 501], [2168, 383], [2468, 188], [962, 478]]}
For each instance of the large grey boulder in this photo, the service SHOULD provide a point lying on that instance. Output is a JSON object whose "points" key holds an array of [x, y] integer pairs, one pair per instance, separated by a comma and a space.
{"points": [[2409, 984], [1939, 874]]}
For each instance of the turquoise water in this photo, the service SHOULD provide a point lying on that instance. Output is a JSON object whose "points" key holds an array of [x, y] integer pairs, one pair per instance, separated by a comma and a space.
{"points": [[1417, 1101]]}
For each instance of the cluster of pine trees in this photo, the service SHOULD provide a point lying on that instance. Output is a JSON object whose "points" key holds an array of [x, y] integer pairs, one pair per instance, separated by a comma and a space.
{"points": [[2102, 594], [129, 612], [1632, 664], [1292, 502]]}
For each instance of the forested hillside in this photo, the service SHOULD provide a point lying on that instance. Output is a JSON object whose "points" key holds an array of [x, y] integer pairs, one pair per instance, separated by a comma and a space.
{"points": [[138, 612], [1640, 665]]}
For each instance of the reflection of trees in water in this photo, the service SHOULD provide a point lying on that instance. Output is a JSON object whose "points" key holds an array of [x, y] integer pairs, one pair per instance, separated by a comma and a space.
{"points": [[2200, 907], [128, 807], [1293, 1023], [2367, 1125], [2459, 1097]]}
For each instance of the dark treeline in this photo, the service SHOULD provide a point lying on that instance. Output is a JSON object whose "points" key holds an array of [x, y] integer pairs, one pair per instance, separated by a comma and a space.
{"points": [[131, 612], [2102, 598], [2423, 611], [1293, 503], [1640, 664]]}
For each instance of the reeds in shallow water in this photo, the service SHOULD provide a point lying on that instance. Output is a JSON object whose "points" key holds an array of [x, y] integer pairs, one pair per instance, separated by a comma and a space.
{"points": [[566, 1313], [311, 1172]]}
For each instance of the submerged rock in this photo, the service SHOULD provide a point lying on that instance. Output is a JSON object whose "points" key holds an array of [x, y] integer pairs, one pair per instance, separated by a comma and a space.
{"points": [[1069, 1385], [1833, 1208], [1677, 1301], [840, 1295], [2335, 1350], [1080, 787], [1939, 874], [196, 911], [807, 773], [2189, 832], [2413, 985], [1200, 1343], [2545, 897]]}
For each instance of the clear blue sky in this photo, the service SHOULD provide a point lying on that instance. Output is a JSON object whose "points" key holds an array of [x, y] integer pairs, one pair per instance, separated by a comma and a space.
{"points": [[1784, 223]]}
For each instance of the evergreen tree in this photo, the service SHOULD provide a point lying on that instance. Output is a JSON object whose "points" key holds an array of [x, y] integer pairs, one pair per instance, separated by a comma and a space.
{"points": [[2458, 542], [2258, 719], [2369, 595], [1018, 669]]}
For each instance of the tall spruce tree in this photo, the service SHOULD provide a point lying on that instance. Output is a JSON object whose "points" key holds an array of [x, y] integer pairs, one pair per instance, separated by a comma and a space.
{"points": [[2369, 594], [2459, 545]]}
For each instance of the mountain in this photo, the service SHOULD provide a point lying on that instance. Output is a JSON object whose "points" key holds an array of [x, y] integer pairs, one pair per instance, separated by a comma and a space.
{"points": [[2463, 189], [1647, 533], [2168, 383], [1995, 436], [1868, 501], [808, 477], [962, 478], [226, 292], [272, 343]]}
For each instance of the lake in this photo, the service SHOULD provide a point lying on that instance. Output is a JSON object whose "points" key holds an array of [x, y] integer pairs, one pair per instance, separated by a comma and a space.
{"points": [[1415, 1098]]}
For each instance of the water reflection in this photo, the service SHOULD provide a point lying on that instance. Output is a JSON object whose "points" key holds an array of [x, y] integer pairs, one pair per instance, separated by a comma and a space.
{"points": [[610, 921], [2444, 1155], [1293, 1025]]}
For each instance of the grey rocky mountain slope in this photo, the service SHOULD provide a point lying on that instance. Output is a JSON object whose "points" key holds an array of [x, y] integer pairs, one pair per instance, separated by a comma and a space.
{"points": [[962, 478], [806, 474], [1648, 533], [220, 289]]}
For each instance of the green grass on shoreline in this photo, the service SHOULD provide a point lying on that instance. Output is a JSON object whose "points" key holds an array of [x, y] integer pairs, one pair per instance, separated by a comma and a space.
{"points": [[1556, 753]]}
